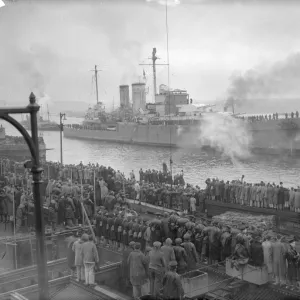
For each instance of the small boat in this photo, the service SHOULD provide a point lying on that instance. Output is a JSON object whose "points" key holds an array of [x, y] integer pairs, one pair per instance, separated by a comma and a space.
{"points": [[43, 125]]}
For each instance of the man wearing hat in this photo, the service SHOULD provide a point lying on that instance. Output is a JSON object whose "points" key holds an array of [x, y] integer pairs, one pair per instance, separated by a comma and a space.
{"points": [[138, 269], [165, 226], [125, 266], [90, 260], [190, 250], [77, 249], [172, 286], [181, 256], [168, 251], [157, 267]]}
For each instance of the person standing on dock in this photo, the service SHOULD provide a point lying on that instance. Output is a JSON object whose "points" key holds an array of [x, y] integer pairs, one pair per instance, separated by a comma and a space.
{"points": [[193, 204], [157, 267], [191, 252], [181, 256], [168, 251], [279, 261], [125, 266], [90, 260], [77, 249], [172, 285], [138, 269]]}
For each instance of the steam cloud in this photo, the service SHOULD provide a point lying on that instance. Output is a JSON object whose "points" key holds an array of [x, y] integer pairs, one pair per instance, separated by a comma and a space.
{"points": [[280, 80], [223, 133]]}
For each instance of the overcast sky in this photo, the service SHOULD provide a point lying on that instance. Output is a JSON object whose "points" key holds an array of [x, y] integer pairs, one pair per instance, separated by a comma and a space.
{"points": [[50, 47]]}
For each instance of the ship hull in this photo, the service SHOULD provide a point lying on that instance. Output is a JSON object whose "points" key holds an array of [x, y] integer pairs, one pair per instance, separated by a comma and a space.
{"points": [[49, 129], [270, 138], [20, 152]]}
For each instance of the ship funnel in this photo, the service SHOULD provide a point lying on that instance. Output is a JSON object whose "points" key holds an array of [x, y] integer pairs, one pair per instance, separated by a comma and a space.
{"points": [[138, 97], [124, 96]]}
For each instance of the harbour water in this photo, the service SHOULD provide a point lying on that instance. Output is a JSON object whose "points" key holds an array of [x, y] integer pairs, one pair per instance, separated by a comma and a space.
{"points": [[197, 166]]}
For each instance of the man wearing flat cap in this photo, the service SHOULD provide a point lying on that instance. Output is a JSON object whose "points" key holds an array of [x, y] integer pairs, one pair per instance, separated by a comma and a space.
{"points": [[181, 256], [172, 286], [191, 252], [157, 267], [138, 270], [125, 266]]}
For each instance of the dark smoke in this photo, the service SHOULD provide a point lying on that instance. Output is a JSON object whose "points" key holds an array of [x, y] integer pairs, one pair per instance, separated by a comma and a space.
{"points": [[277, 81]]}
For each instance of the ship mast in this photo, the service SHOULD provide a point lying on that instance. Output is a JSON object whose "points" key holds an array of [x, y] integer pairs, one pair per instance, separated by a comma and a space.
{"points": [[154, 64], [96, 78], [48, 113], [168, 59]]}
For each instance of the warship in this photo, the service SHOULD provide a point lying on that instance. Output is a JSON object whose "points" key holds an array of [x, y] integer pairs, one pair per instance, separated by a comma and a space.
{"points": [[175, 121], [15, 147], [43, 124]]}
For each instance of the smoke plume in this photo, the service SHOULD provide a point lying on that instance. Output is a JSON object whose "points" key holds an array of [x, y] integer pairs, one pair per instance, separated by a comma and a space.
{"points": [[277, 81], [225, 134]]}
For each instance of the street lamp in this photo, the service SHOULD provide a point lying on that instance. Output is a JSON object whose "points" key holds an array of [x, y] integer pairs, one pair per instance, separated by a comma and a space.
{"points": [[61, 127], [33, 144]]}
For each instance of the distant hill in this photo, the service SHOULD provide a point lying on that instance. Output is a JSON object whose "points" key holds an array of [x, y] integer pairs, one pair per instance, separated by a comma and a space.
{"points": [[67, 106]]}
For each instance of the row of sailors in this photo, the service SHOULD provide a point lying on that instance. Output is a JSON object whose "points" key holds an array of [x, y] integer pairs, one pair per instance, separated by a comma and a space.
{"points": [[259, 195], [207, 243], [273, 116]]}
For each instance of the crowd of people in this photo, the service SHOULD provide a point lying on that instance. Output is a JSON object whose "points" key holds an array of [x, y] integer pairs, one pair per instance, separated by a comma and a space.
{"points": [[265, 195], [157, 250], [177, 244]]}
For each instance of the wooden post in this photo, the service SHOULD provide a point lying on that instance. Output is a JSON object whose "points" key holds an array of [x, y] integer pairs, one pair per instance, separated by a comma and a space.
{"points": [[15, 179], [124, 189], [72, 182], [31, 250], [81, 201], [95, 204], [14, 224], [88, 220]]}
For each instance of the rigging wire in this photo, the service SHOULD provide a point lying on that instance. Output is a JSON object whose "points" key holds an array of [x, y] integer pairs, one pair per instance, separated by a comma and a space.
{"points": [[91, 92], [169, 96]]}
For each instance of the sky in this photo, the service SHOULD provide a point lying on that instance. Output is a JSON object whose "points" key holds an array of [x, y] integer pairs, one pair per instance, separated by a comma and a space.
{"points": [[51, 47]]}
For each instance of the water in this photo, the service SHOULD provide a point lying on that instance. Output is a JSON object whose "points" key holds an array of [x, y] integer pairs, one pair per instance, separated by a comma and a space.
{"points": [[197, 166]]}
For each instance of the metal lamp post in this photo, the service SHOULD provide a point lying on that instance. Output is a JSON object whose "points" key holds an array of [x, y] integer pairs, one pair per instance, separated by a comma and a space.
{"points": [[61, 126], [33, 144]]}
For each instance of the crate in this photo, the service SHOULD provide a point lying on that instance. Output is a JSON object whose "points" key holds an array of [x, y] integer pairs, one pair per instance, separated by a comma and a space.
{"points": [[195, 283]]}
